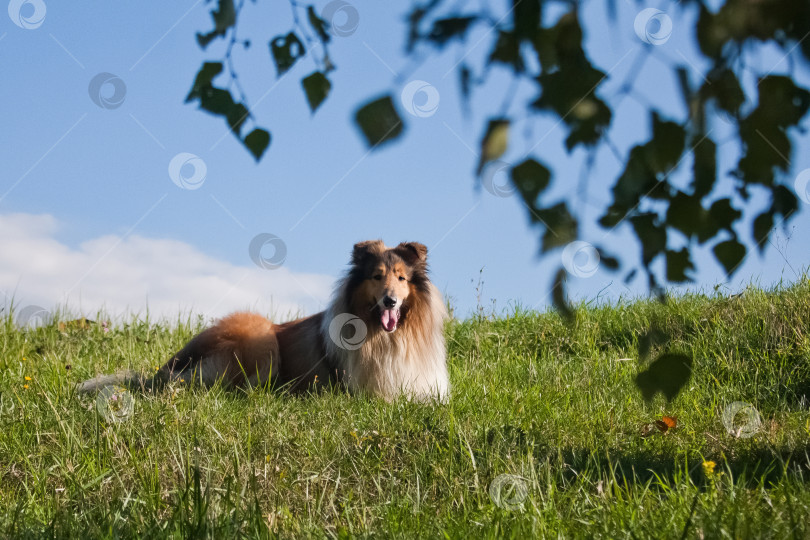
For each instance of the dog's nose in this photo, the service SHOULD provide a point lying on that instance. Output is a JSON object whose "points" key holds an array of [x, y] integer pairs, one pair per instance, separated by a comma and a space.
{"points": [[389, 302]]}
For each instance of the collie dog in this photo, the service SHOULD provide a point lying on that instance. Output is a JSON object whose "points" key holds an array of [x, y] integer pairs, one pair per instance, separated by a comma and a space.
{"points": [[382, 334]]}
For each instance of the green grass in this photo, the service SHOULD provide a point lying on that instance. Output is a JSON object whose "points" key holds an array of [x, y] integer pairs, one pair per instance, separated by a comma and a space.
{"points": [[554, 405]]}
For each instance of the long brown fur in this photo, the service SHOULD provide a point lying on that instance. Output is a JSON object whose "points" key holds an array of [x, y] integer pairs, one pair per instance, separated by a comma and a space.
{"points": [[248, 349]]}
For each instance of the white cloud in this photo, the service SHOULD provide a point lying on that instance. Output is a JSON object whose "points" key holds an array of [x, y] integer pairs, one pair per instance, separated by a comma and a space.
{"points": [[128, 275]]}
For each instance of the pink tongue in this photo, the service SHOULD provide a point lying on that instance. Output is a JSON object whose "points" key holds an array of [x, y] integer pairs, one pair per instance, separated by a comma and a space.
{"points": [[389, 319]]}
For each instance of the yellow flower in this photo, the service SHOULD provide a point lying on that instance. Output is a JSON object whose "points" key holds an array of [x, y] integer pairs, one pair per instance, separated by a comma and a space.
{"points": [[27, 378], [708, 468], [25, 386]]}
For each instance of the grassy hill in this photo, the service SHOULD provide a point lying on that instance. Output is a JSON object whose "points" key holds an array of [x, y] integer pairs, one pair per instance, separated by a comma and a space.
{"points": [[543, 435]]}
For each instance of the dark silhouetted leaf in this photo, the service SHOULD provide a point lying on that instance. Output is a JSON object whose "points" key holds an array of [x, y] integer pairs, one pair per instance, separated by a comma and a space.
{"points": [[561, 227], [257, 142], [286, 50], [766, 144], [666, 146], [652, 236], [570, 93], [224, 17], [379, 121], [685, 213], [530, 178], [723, 87], [216, 100], [317, 87], [763, 224], [784, 201], [723, 215], [526, 18], [207, 72], [236, 117], [558, 297], [705, 167], [319, 25], [730, 254], [678, 264], [446, 29], [668, 374], [507, 51]]}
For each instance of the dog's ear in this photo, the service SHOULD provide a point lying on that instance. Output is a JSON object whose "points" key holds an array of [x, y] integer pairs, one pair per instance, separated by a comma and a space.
{"points": [[364, 249], [413, 253]]}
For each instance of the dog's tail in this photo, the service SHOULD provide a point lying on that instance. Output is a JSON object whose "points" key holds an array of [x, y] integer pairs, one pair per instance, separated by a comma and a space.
{"points": [[132, 380]]}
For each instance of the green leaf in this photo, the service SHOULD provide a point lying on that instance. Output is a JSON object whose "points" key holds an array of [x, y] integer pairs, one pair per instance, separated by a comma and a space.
{"points": [[652, 236], [319, 25], [782, 104], [530, 178], [236, 117], [224, 17], [722, 86], [444, 30], [668, 374], [507, 51], [526, 18], [570, 93], [558, 297], [722, 215], [730, 254], [257, 142], [705, 167], [784, 201], [286, 50], [316, 87], [678, 263], [494, 142], [379, 121], [666, 146], [685, 213], [207, 72], [561, 227], [763, 224], [216, 100]]}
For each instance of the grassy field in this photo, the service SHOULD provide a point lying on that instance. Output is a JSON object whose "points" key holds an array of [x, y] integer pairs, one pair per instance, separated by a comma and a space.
{"points": [[542, 436]]}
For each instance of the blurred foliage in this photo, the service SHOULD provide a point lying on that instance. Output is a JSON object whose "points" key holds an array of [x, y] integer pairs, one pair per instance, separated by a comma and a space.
{"points": [[548, 52]]}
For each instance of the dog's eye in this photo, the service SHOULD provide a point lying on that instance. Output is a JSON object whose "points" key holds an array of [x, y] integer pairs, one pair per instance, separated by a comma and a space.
{"points": [[402, 278], [378, 277]]}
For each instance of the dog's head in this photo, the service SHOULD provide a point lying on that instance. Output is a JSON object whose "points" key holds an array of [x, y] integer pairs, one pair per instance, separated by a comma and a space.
{"points": [[386, 283]]}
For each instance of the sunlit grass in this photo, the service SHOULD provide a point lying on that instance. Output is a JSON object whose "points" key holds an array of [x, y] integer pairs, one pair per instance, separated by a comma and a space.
{"points": [[553, 406]]}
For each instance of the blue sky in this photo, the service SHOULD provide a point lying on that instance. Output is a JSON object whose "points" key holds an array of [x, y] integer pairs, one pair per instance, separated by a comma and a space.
{"points": [[90, 218]]}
